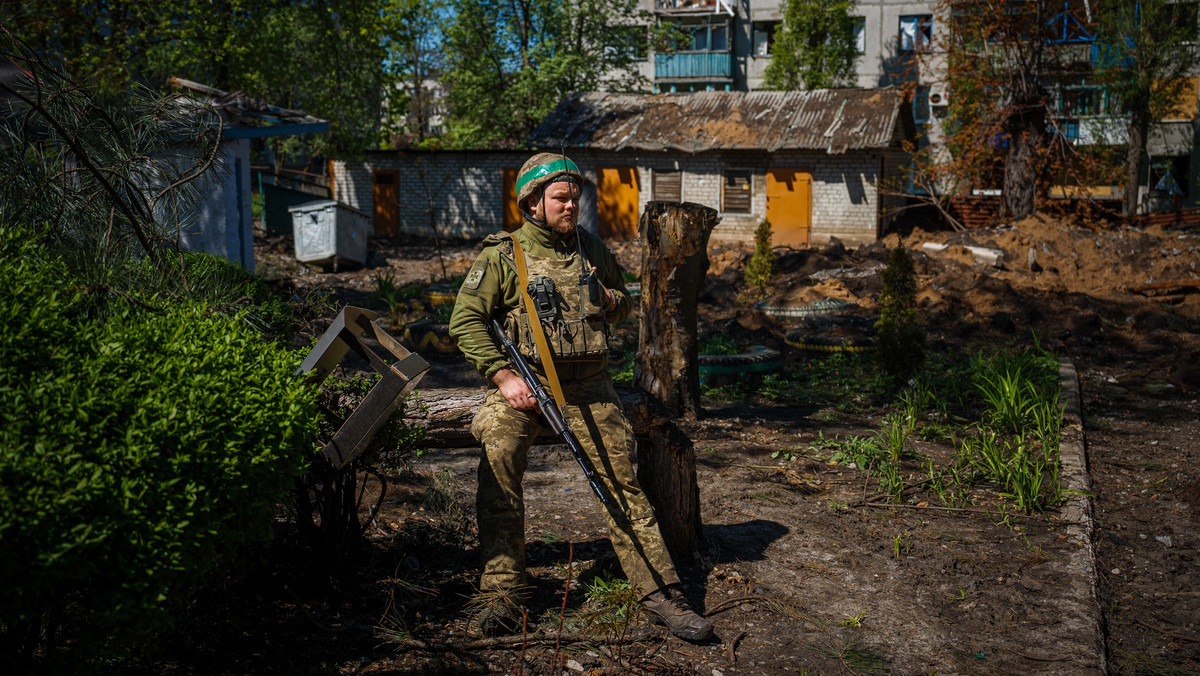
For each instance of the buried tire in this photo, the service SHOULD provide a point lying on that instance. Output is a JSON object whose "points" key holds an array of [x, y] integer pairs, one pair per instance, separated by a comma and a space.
{"points": [[439, 294], [724, 368], [819, 343], [426, 336]]}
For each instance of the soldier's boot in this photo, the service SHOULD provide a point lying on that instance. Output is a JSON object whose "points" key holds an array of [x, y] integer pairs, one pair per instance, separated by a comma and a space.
{"points": [[668, 606]]}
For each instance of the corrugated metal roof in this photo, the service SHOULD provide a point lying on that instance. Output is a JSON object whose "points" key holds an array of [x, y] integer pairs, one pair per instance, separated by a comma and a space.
{"points": [[241, 110], [830, 120]]}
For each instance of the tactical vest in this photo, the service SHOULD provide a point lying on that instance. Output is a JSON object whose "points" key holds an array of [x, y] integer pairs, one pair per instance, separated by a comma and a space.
{"points": [[554, 286]]}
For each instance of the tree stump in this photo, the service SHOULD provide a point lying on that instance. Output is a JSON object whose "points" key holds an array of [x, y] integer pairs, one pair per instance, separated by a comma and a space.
{"points": [[674, 262]]}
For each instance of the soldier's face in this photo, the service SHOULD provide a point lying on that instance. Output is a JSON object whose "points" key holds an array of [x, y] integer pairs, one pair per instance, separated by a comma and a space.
{"points": [[559, 207]]}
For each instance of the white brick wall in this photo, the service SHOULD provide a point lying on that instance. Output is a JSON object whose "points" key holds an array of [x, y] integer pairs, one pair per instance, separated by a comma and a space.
{"points": [[846, 203]]}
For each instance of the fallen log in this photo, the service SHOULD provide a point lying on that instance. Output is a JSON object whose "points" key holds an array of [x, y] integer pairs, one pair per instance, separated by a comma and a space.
{"points": [[445, 415], [666, 458]]}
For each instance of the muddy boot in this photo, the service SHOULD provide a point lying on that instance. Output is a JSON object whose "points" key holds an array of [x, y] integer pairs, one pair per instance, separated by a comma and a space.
{"points": [[668, 606]]}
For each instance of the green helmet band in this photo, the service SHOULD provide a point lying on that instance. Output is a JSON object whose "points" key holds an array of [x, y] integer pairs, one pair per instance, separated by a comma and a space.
{"points": [[547, 169]]}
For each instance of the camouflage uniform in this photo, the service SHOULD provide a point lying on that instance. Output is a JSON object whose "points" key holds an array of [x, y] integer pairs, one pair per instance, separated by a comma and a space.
{"points": [[592, 408]]}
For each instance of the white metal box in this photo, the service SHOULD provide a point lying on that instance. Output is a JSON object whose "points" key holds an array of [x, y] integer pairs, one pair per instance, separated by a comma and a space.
{"points": [[329, 234]]}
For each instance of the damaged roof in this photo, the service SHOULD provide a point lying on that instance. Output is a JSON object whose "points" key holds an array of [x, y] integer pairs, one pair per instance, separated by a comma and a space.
{"points": [[829, 120], [251, 118]]}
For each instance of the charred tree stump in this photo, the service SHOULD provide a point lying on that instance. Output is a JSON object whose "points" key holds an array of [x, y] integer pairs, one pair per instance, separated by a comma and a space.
{"points": [[674, 263]]}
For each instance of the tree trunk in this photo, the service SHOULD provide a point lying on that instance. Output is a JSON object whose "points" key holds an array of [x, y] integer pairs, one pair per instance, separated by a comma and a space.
{"points": [[1021, 170], [1135, 153], [674, 263], [667, 473]]}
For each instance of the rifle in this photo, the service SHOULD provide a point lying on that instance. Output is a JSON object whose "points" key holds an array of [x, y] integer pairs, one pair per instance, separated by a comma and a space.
{"points": [[550, 410]]}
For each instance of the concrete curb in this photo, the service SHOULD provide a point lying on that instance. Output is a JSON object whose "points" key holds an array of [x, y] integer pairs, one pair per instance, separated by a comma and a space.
{"points": [[1079, 510]]}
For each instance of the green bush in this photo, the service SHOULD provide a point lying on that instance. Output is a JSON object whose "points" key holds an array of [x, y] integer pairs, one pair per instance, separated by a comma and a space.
{"points": [[899, 338], [761, 267], [136, 453]]}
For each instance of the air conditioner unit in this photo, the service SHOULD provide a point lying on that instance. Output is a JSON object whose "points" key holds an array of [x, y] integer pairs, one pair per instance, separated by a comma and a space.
{"points": [[939, 95]]}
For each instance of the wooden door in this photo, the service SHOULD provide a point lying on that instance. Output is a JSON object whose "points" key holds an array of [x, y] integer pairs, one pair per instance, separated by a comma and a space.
{"points": [[385, 194], [789, 206], [617, 202], [512, 218]]}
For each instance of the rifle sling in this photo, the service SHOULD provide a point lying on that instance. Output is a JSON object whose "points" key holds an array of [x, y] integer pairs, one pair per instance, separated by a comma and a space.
{"points": [[535, 325]]}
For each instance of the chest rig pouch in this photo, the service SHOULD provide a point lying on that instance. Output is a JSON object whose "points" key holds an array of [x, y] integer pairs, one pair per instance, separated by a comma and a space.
{"points": [[573, 331]]}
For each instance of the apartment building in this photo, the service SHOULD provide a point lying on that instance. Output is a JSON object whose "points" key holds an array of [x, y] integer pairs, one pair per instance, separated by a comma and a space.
{"points": [[730, 51], [731, 43]]}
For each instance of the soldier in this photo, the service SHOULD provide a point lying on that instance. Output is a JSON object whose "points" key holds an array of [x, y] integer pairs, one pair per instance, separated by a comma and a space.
{"points": [[574, 312]]}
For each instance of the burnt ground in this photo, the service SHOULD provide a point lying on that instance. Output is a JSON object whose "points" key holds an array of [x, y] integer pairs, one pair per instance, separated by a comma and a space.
{"points": [[798, 575]]}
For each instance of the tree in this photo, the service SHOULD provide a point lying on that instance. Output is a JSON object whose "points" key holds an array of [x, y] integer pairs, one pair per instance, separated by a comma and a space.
{"points": [[815, 48], [323, 56], [999, 56], [510, 63], [412, 37], [1145, 57]]}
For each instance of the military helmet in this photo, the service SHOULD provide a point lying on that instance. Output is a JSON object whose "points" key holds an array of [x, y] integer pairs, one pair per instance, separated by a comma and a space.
{"points": [[542, 169]]}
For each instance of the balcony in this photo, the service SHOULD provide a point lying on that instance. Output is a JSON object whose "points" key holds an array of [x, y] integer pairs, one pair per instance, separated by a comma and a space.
{"points": [[695, 65], [693, 6]]}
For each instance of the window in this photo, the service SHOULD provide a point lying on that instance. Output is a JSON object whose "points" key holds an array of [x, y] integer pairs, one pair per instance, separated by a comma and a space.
{"points": [[920, 104], [735, 192], [718, 43], [666, 185], [764, 37], [916, 32], [630, 42], [706, 35], [1076, 102], [860, 34], [1169, 176]]}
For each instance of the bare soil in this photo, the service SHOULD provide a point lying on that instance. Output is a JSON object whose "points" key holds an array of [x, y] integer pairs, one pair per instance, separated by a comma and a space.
{"points": [[800, 575]]}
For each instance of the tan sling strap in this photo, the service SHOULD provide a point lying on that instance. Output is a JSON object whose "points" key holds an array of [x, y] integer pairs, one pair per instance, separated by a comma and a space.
{"points": [[535, 325]]}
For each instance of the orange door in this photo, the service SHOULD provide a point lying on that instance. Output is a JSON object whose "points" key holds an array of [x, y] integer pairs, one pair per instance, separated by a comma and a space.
{"points": [[617, 203], [512, 213], [789, 206], [386, 196]]}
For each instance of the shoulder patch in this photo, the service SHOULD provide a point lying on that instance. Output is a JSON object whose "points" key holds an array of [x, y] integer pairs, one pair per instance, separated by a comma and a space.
{"points": [[475, 276]]}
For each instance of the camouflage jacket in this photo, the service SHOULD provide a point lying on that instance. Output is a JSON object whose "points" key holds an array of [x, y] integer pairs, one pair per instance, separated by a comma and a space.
{"points": [[491, 288]]}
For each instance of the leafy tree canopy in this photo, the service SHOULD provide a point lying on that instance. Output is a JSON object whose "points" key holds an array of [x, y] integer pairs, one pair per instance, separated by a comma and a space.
{"points": [[323, 56], [815, 47], [509, 64]]}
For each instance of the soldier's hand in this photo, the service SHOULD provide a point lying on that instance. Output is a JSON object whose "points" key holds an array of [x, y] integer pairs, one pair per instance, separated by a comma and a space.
{"points": [[515, 391]]}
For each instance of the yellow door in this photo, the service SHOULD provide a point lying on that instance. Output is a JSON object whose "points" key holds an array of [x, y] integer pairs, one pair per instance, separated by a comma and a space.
{"points": [[512, 213], [789, 206], [617, 203], [386, 196]]}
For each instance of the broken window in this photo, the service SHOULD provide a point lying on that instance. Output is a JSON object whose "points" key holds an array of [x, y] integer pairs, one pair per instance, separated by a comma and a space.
{"points": [[916, 32], [1169, 176], [764, 37], [860, 34]]}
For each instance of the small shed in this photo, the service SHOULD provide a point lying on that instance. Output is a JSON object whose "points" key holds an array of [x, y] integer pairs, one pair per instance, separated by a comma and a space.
{"points": [[811, 162], [224, 224]]}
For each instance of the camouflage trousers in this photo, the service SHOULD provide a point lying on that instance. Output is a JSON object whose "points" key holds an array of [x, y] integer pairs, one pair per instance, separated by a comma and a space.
{"points": [[594, 411]]}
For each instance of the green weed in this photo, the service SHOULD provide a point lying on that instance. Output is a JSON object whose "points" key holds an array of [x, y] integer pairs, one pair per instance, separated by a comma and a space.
{"points": [[855, 619]]}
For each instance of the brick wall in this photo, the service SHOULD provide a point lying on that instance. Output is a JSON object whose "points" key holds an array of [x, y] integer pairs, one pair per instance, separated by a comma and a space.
{"points": [[465, 187], [845, 201]]}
